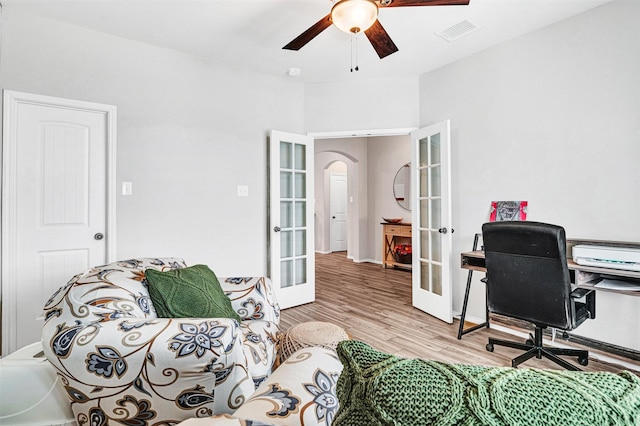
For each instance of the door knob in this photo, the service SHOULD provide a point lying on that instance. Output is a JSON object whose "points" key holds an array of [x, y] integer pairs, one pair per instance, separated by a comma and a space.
{"points": [[333, 217], [442, 230], [277, 229], [98, 236]]}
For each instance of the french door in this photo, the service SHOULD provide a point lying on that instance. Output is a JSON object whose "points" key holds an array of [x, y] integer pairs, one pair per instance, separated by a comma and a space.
{"points": [[431, 217], [291, 213]]}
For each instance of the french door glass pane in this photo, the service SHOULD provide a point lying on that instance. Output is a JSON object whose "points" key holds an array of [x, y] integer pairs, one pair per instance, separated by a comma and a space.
{"points": [[424, 151], [424, 244], [425, 276], [286, 244], [301, 242], [301, 185], [436, 246], [436, 213], [285, 155], [301, 213], [436, 172], [436, 272], [286, 273], [300, 157], [286, 185], [301, 271], [424, 214], [286, 214], [424, 182], [435, 149]]}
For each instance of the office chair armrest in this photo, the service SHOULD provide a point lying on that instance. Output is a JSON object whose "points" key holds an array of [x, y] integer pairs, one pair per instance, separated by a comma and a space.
{"points": [[579, 293], [590, 301]]}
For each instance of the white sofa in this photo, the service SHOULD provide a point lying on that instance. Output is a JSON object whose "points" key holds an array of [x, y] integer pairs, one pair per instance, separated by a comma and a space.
{"points": [[120, 364]]}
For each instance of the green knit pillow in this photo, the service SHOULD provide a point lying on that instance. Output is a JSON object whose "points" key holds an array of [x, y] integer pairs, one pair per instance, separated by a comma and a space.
{"points": [[192, 292], [382, 389]]}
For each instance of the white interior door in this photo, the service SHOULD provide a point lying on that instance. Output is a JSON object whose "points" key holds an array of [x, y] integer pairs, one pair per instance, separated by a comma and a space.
{"points": [[431, 217], [291, 224], [58, 165], [338, 211]]}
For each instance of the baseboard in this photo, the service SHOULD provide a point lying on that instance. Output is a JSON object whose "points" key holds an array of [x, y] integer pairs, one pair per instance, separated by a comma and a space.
{"points": [[367, 261], [352, 258], [468, 318]]}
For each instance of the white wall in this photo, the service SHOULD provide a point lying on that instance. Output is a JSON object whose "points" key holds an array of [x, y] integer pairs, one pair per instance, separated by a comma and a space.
{"points": [[552, 117], [361, 105], [188, 134]]}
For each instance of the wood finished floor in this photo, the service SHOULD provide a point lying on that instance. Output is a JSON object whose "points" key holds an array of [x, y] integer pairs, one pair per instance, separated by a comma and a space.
{"points": [[373, 304]]}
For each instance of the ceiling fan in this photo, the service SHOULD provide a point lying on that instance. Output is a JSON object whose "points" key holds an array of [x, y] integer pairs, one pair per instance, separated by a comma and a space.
{"points": [[354, 16]]}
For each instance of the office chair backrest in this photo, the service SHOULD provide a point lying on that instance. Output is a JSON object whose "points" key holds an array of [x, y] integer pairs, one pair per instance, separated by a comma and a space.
{"points": [[527, 274]]}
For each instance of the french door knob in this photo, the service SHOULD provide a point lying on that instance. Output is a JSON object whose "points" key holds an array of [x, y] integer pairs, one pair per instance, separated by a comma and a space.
{"points": [[277, 229], [98, 236], [442, 230]]}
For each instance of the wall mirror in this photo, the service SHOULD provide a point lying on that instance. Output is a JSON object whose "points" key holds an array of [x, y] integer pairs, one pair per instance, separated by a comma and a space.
{"points": [[402, 187]]}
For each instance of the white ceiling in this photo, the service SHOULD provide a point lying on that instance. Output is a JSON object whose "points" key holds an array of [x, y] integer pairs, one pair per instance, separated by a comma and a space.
{"points": [[249, 34]]}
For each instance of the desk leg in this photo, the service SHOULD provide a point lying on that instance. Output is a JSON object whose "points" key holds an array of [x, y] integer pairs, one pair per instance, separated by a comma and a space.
{"points": [[386, 249], [461, 330]]}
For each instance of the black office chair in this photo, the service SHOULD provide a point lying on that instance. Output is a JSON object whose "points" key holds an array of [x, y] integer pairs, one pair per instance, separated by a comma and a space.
{"points": [[528, 279]]}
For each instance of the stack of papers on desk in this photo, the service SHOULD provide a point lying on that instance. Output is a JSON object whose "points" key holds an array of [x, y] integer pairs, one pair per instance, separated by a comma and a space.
{"points": [[610, 284]]}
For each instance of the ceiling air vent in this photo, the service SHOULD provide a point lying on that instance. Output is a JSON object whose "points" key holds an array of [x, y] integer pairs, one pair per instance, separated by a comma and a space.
{"points": [[460, 29]]}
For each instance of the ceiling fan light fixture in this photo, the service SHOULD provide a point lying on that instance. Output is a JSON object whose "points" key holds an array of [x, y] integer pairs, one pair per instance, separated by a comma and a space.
{"points": [[354, 16]]}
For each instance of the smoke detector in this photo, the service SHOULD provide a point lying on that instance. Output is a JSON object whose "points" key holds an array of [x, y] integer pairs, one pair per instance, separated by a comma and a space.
{"points": [[294, 72]]}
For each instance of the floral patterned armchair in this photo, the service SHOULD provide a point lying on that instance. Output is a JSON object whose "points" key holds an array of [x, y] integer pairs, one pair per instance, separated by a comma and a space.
{"points": [[120, 364], [302, 391]]}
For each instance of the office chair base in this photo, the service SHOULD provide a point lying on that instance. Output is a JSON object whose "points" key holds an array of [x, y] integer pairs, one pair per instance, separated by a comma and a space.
{"points": [[538, 350]]}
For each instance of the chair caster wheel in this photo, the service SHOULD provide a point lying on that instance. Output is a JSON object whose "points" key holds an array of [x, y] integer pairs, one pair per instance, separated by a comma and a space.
{"points": [[583, 360], [489, 347]]}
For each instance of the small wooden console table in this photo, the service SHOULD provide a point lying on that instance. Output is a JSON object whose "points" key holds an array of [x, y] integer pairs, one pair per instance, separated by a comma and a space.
{"points": [[394, 234]]}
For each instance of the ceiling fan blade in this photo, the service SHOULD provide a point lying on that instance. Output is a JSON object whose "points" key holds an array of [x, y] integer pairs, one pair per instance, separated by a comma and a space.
{"points": [[404, 3], [309, 34], [380, 40]]}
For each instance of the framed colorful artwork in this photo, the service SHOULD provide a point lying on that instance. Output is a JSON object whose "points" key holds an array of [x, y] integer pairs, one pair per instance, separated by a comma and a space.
{"points": [[508, 210]]}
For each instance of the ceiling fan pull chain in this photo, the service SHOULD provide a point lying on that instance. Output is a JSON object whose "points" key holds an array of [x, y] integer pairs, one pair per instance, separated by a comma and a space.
{"points": [[351, 52], [354, 35]]}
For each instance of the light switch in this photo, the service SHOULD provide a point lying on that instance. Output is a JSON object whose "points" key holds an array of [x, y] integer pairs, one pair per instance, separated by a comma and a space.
{"points": [[243, 191], [127, 188]]}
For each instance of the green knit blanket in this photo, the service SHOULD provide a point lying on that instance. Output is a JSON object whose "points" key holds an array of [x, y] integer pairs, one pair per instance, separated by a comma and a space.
{"points": [[376, 388]]}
